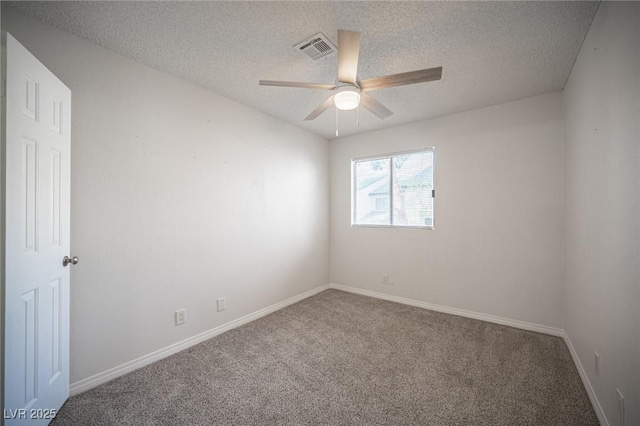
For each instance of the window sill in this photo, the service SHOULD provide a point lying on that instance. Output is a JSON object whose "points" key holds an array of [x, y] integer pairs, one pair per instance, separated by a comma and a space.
{"points": [[423, 228]]}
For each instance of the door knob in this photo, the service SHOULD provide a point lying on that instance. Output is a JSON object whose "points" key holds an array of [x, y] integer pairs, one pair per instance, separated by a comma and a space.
{"points": [[69, 260]]}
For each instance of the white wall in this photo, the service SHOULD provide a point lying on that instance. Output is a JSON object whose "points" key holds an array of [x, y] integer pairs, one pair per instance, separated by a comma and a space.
{"points": [[601, 107], [498, 243], [179, 196]]}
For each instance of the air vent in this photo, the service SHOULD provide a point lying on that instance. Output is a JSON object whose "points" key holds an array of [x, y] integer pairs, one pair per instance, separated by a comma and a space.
{"points": [[316, 47]]}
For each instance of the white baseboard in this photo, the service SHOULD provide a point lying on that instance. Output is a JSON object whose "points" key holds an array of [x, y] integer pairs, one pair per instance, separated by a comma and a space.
{"points": [[120, 370], [455, 311], [585, 381]]}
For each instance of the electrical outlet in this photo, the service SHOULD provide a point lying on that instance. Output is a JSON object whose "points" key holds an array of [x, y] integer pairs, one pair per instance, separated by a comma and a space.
{"points": [[222, 304], [621, 407], [385, 280], [596, 356], [181, 316]]}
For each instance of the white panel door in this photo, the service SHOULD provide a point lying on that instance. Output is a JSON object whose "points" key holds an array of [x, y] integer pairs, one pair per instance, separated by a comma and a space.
{"points": [[37, 164]]}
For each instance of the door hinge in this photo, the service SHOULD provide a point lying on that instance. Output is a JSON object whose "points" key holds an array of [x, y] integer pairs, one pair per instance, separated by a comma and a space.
{"points": [[3, 88], [433, 193]]}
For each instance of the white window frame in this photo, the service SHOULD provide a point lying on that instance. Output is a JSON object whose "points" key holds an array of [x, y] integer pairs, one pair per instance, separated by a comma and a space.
{"points": [[389, 157]]}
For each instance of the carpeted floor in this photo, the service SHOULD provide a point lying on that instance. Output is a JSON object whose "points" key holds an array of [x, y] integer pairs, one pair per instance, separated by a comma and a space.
{"points": [[341, 358]]}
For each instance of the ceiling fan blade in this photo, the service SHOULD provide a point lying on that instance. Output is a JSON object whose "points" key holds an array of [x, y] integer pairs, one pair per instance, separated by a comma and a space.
{"points": [[348, 52], [401, 79], [367, 101], [321, 108], [297, 84]]}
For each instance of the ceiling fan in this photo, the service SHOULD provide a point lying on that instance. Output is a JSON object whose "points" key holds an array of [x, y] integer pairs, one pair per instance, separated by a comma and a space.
{"points": [[349, 92]]}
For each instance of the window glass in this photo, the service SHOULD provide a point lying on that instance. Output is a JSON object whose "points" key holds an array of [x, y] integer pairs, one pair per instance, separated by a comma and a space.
{"points": [[412, 188], [372, 192]]}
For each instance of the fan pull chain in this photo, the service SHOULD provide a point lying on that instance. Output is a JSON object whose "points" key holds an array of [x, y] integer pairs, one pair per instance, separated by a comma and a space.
{"points": [[358, 116], [336, 122]]}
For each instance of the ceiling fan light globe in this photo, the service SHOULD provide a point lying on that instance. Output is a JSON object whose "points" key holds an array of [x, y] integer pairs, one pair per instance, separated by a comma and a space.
{"points": [[347, 99]]}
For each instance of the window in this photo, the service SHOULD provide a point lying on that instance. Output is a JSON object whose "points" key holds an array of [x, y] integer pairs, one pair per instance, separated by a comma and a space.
{"points": [[394, 190]]}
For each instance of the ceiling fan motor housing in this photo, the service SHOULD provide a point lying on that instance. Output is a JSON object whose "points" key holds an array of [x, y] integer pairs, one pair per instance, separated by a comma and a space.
{"points": [[347, 97]]}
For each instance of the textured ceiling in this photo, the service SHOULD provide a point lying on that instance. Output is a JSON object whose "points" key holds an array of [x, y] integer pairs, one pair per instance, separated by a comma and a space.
{"points": [[491, 52]]}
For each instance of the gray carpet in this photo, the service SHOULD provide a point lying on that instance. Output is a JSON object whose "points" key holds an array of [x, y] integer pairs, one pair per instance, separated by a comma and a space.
{"points": [[341, 358]]}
